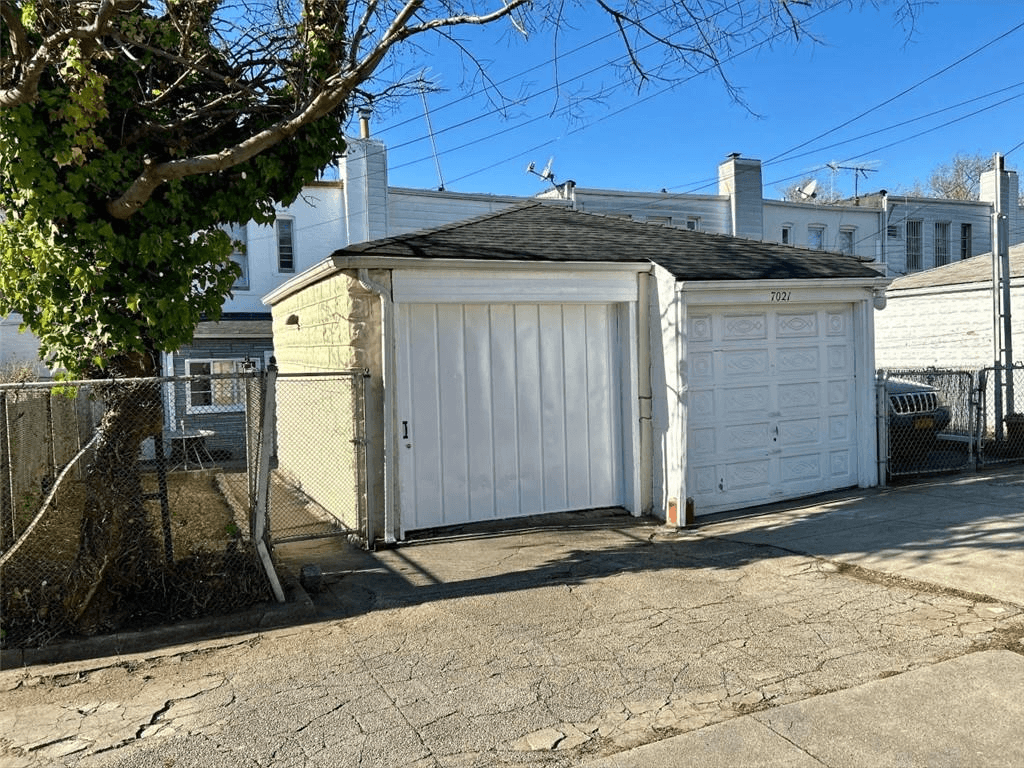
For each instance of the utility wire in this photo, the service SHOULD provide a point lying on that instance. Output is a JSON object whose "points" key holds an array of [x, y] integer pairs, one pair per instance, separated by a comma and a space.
{"points": [[904, 92]]}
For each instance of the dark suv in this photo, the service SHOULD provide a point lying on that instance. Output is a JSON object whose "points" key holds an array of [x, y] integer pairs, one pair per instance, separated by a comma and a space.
{"points": [[916, 415]]}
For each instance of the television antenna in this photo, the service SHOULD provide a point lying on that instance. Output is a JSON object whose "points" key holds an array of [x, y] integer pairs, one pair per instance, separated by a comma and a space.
{"points": [[546, 174], [430, 132], [858, 171]]}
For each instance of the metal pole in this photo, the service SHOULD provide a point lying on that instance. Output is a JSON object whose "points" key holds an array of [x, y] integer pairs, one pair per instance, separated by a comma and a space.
{"points": [[997, 267]]}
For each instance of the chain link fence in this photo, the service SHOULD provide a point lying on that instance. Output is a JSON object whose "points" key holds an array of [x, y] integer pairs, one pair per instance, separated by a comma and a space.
{"points": [[934, 420], [1001, 415], [132, 502]]}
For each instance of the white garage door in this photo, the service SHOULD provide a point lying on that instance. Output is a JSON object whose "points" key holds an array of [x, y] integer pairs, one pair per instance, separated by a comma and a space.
{"points": [[772, 404], [506, 410]]}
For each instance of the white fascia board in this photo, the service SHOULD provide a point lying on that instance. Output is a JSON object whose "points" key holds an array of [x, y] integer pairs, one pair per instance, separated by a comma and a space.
{"points": [[561, 283], [724, 292], [336, 264]]}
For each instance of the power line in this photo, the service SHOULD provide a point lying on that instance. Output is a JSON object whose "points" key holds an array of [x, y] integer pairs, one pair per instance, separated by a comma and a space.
{"points": [[904, 92], [676, 84]]}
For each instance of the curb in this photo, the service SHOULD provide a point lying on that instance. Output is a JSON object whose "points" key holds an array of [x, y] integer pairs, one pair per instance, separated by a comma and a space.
{"points": [[297, 610]]}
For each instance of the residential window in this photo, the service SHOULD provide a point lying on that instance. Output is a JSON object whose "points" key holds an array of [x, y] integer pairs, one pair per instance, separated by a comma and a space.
{"points": [[941, 243], [915, 247], [240, 255], [787, 235], [846, 241], [218, 388], [663, 220], [285, 246], [693, 223], [966, 249], [816, 238]]}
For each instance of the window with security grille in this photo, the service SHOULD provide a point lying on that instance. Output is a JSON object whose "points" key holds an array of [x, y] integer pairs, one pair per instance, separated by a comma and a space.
{"points": [[285, 246], [915, 247], [941, 243], [966, 251]]}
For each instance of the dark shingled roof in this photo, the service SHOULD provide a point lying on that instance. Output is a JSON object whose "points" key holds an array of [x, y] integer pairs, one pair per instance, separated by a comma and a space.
{"points": [[552, 233], [974, 270]]}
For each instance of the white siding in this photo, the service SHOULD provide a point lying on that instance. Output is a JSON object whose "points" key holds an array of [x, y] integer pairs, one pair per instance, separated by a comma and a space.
{"points": [[948, 327], [800, 216], [929, 211], [712, 211], [18, 348], [410, 210], [318, 230]]}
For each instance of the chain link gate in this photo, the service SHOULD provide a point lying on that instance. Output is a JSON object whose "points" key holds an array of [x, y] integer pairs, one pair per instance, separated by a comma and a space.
{"points": [[928, 420], [313, 444], [1001, 419]]}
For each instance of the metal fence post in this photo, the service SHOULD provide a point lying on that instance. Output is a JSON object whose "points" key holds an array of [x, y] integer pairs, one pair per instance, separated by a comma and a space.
{"points": [[882, 429], [364, 474], [261, 508], [8, 532]]}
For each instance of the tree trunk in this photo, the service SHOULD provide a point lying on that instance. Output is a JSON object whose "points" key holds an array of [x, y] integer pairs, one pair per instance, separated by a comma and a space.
{"points": [[118, 552]]}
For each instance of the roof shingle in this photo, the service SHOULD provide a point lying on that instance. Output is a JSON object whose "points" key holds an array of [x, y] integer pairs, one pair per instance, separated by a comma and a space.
{"points": [[543, 232]]}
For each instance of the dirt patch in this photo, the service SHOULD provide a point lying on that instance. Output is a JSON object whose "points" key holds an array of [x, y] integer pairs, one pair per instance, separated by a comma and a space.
{"points": [[214, 570]]}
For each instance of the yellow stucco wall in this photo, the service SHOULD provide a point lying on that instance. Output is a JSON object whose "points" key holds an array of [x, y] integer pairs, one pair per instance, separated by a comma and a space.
{"points": [[338, 329]]}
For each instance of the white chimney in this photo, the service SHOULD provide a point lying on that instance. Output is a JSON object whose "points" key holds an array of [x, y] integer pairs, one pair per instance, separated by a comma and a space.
{"points": [[739, 179], [364, 176]]}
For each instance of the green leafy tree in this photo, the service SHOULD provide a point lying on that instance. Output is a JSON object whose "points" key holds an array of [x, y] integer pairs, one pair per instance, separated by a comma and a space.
{"points": [[133, 132]]}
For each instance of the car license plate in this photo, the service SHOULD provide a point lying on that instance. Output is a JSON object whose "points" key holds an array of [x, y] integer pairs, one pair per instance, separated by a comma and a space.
{"points": [[924, 422]]}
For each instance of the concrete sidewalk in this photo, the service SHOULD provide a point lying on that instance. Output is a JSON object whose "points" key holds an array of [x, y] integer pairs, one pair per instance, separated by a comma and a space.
{"points": [[960, 713], [964, 534]]}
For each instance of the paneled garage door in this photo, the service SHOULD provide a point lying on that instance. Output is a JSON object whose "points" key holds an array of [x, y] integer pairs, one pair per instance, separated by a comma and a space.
{"points": [[507, 410], [772, 404]]}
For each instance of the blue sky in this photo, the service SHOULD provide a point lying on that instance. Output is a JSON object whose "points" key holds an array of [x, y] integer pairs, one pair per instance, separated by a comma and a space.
{"points": [[802, 95]]}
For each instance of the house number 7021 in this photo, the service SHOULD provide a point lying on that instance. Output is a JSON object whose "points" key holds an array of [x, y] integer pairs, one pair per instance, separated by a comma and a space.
{"points": [[780, 296]]}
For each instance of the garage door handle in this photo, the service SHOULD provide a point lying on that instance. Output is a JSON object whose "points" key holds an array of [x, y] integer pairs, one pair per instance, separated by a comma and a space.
{"points": [[405, 430]]}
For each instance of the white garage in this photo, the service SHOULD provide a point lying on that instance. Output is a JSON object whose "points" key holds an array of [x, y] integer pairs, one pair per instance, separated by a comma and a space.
{"points": [[773, 407], [510, 406], [541, 360]]}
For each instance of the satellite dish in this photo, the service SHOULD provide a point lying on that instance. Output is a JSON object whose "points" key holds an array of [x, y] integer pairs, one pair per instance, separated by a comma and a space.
{"points": [[809, 190]]}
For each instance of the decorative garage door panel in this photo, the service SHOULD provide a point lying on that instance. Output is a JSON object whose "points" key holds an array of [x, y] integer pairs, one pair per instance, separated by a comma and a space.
{"points": [[772, 407], [507, 410]]}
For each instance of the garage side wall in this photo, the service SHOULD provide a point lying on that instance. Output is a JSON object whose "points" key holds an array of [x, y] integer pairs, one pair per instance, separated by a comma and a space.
{"points": [[338, 329], [946, 328]]}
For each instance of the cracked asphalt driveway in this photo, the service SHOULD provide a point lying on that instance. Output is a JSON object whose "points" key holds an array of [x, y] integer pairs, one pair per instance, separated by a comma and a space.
{"points": [[538, 646]]}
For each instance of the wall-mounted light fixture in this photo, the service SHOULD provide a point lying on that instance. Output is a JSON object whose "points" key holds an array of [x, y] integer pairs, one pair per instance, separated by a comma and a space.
{"points": [[292, 320]]}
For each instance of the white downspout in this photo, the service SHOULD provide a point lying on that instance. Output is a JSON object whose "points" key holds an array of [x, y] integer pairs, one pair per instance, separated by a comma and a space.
{"points": [[387, 322], [685, 510], [645, 394]]}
